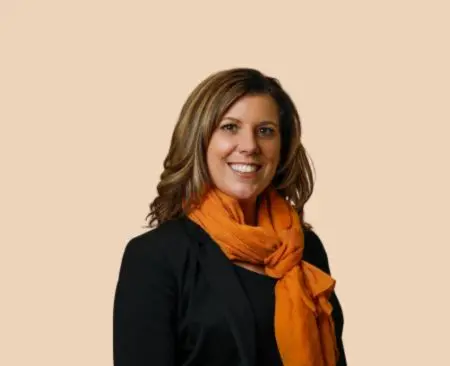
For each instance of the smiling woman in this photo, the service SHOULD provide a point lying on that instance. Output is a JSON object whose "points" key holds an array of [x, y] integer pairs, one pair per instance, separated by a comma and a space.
{"points": [[231, 274]]}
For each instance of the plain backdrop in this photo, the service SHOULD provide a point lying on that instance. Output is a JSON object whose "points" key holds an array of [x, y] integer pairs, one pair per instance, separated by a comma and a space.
{"points": [[89, 95]]}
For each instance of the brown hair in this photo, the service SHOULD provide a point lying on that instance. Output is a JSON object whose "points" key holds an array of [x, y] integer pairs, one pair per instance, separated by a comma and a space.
{"points": [[185, 177]]}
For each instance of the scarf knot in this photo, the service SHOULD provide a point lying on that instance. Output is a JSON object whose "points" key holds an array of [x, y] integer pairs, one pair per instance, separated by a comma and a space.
{"points": [[288, 254], [304, 327]]}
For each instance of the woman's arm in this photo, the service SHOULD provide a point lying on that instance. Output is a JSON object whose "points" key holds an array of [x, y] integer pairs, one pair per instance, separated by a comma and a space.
{"points": [[316, 254], [144, 306]]}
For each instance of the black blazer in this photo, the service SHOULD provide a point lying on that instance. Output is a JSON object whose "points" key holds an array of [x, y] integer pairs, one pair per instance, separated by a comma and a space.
{"points": [[178, 301]]}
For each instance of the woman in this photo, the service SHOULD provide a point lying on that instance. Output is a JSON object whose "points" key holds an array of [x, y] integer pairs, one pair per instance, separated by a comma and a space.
{"points": [[231, 275]]}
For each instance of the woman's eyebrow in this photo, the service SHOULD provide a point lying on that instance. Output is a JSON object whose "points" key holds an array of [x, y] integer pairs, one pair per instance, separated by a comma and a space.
{"points": [[231, 119], [269, 122], [263, 122]]}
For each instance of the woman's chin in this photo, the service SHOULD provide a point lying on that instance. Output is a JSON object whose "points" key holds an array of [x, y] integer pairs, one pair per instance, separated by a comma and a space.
{"points": [[247, 194]]}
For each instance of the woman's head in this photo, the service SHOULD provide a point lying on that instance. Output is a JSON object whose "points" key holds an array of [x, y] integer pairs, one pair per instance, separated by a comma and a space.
{"points": [[243, 152], [238, 131]]}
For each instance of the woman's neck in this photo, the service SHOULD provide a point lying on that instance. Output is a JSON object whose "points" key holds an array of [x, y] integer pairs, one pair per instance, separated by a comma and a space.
{"points": [[250, 210]]}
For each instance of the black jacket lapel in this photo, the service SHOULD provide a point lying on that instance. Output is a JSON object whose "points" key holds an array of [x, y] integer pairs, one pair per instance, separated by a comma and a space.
{"points": [[220, 273]]}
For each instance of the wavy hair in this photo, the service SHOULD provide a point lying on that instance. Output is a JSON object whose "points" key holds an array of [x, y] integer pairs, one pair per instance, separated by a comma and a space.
{"points": [[185, 177]]}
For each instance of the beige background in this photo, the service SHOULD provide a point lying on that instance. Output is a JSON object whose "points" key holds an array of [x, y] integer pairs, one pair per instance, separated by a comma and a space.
{"points": [[89, 94]]}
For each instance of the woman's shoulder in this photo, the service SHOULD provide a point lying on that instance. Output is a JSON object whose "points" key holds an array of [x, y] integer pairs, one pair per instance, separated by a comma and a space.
{"points": [[168, 242], [315, 252], [168, 232]]}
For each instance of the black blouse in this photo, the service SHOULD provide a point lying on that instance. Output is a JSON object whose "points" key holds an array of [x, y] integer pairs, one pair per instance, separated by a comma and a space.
{"points": [[259, 289]]}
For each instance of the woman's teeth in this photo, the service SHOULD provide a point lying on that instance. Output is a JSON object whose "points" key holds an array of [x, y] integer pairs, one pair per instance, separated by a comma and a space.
{"points": [[244, 168]]}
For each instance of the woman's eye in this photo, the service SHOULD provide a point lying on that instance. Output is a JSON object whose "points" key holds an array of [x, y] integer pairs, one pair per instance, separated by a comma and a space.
{"points": [[229, 127], [266, 131]]}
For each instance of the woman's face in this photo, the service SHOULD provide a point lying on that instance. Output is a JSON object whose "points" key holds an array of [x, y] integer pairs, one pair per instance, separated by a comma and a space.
{"points": [[244, 150]]}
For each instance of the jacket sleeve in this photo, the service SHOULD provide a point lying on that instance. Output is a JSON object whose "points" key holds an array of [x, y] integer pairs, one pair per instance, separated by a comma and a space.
{"points": [[144, 306], [316, 254]]}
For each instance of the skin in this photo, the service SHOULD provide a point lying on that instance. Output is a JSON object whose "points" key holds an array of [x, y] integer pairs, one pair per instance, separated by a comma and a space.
{"points": [[248, 133]]}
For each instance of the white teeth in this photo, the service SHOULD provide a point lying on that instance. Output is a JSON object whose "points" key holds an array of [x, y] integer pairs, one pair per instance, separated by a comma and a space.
{"points": [[244, 168]]}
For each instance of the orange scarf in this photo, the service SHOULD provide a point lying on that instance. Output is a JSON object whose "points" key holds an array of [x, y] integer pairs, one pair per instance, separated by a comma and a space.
{"points": [[304, 328]]}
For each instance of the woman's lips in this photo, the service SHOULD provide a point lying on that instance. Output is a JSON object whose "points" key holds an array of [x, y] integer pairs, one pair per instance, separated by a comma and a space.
{"points": [[245, 170]]}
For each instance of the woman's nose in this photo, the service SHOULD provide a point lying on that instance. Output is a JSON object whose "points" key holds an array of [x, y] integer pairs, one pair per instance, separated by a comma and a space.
{"points": [[248, 142]]}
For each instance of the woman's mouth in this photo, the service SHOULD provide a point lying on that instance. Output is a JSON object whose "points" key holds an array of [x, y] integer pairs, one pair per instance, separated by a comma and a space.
{"points": [[249, 170]]}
